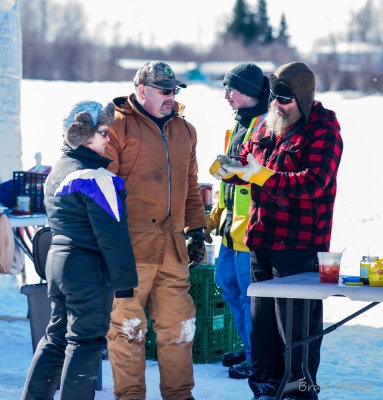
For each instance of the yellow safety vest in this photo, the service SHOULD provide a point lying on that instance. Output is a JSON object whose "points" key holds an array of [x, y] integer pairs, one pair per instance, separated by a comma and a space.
{"points": [[242, 194]]}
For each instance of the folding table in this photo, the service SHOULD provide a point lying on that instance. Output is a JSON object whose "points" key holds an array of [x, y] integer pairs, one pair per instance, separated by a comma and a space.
{"points": [[306, 286]]}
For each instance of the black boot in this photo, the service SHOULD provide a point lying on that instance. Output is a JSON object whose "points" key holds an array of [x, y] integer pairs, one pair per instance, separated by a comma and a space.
{"points": [[241, 371], [266, 387], [233, 358]]}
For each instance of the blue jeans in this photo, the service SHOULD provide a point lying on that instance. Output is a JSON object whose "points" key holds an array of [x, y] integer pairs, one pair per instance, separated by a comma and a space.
{"points": [[232, 275]]}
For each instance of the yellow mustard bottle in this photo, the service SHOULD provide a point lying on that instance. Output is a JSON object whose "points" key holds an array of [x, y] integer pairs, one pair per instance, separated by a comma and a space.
{"points": [[376, 273]]}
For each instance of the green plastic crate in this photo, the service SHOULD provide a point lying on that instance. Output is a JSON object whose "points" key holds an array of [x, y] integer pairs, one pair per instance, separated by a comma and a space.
{"points": [[215, 330], [214, 337], [150, 342], [207, 295]]}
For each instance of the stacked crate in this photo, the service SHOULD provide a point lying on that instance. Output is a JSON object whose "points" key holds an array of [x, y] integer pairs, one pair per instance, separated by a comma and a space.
{"points": [[215, 331], [32, 185]]}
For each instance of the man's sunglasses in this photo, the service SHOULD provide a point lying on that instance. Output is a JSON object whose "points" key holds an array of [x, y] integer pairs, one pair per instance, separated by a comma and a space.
{"points": [[104, 134], [166, 92], [281, 99]]}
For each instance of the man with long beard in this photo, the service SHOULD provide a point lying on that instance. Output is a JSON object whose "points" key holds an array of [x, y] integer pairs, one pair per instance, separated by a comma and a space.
{"points": [[292, 163]]}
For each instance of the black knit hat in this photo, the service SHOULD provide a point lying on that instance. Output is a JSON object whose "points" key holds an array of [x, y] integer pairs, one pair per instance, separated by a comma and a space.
{"points": [[84, 119], [247, 78], [298, 80]]}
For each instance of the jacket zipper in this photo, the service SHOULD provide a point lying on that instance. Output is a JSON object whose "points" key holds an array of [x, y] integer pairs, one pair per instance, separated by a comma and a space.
{"points": [[167, 158]]}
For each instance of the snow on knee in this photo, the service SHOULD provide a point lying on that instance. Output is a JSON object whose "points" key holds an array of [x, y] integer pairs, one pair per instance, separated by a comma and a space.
{"points": [[187, 331], [129, 328]]}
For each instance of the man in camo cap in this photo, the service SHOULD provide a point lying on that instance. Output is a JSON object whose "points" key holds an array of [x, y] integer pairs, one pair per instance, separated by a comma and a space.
{"points": [[154, 149]]}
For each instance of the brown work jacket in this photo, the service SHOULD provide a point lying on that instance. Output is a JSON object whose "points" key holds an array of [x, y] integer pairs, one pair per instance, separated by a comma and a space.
{"points": [[160, 173]]}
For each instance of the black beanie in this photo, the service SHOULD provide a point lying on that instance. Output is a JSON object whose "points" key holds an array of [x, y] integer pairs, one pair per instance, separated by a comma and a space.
{"points": [[301, 82], [246, 78]]}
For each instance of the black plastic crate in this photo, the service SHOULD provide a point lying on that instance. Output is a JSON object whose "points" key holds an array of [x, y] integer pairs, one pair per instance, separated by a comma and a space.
{"points": [[30, 184]]}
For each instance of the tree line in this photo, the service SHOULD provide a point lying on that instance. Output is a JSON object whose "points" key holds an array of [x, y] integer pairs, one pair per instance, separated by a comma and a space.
{"points": [[58, 46]]}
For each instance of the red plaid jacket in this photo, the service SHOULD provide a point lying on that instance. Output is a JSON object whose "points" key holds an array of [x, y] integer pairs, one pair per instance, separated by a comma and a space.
{"points": [[294, 208]]}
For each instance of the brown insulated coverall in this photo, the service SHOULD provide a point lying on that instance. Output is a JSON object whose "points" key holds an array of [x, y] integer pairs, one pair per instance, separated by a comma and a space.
{"points": [[163, 199]]}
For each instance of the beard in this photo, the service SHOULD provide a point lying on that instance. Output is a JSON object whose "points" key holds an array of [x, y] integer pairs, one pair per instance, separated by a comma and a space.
{"points": [[280, 123], [166, 108]]}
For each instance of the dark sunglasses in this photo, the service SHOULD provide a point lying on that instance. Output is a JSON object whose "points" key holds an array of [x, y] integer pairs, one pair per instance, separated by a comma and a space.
{"points": [[166, 92], [281, 99], [104, 134]]}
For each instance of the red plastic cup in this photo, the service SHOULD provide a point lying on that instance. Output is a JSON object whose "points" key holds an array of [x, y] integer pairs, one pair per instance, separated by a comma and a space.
{"points": [[329, 266]]}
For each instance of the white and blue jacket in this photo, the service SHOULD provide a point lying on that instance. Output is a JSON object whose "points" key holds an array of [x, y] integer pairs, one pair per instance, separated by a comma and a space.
{"points": [[86, 208]]}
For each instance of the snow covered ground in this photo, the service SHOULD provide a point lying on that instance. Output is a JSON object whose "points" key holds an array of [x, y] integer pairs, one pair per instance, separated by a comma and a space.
{"points": [[351, 366]]}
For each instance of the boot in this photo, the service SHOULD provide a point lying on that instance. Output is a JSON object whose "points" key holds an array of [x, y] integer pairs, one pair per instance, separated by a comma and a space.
{"points": [[233, 358], [241, 371], [266, 387]]}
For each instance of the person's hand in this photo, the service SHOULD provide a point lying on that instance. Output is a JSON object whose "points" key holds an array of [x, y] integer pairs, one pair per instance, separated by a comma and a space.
{"points": [[217, 169], [213, 220], [210, 226], [244, 171], [196, 247], [253, 172], [124, 293]]}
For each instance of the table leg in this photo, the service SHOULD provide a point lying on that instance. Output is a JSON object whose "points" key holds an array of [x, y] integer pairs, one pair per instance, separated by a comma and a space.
{"points": [[288, 349], [305, 348]]}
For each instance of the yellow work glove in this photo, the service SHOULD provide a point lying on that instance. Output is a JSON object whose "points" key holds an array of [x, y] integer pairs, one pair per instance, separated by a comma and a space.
{"points": [[253, 172], [217, 170], [213, 222]]}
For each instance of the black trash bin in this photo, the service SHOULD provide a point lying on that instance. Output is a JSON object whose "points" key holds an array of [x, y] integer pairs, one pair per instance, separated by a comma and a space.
{"points": [[39, 306]]}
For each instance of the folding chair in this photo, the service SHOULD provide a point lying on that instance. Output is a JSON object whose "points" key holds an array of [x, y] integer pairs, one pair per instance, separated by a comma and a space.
{"points": [[40, 247]]}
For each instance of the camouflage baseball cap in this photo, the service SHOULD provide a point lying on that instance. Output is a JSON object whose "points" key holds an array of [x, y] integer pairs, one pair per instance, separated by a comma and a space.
{"points": [[157, 73]]}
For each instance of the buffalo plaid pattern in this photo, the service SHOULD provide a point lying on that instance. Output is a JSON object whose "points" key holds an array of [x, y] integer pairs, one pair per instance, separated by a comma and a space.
{"points": [[294, 208]]}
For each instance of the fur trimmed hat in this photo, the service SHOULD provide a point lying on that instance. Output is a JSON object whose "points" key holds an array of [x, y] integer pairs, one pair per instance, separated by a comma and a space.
{"points": [[300, 82], [84, 119], [247, 78]]}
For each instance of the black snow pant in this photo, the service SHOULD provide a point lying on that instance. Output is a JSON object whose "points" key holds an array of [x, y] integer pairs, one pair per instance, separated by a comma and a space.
{"points": [[69, 353], [269, 315]]}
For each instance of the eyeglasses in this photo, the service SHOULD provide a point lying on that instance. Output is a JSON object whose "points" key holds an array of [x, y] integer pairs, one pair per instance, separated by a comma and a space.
{"points": [[228, 90], [104, 134], [281, 99], [166, 92]]}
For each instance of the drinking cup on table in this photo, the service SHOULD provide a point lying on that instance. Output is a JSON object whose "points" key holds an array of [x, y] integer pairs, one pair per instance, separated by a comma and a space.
{"points": [[329, 266]]}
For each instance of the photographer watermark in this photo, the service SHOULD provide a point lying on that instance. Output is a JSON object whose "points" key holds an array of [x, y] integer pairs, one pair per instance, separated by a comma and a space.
{"points": [[346, 386]]}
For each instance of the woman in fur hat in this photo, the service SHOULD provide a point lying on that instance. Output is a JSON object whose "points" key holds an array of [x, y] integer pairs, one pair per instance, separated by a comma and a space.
{"points": [[90, 258]]}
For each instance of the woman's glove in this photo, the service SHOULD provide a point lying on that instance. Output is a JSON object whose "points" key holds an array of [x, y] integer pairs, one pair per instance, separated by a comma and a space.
{"points": [[124, 293]]}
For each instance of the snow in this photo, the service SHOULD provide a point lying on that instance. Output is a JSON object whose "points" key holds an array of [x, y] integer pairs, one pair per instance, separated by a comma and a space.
{"points": [[351, 366]]}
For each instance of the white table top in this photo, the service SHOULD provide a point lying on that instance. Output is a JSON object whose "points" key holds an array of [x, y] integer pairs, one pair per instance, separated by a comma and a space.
{"points": [[307, 286], [28, 220]]}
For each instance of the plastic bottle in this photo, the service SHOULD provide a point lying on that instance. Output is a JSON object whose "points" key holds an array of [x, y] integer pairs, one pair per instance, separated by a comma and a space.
{"points": [[376, 273], [365, 265]]}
